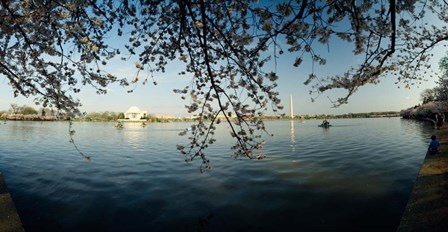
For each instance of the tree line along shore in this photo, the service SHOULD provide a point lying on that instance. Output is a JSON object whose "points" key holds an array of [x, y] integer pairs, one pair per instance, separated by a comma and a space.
{"points": [[28, 113]]}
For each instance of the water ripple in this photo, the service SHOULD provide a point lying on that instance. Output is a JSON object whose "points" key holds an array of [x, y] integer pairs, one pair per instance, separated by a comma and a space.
{"points": [[357, 174]]}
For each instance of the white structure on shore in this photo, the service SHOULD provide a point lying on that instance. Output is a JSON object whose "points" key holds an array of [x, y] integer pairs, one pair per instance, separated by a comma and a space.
{"points": [[135, 114], [291, 110]]}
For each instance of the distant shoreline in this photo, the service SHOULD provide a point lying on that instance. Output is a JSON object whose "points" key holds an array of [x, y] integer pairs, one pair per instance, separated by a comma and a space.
{"points": [[113, 117], [168, 120]]}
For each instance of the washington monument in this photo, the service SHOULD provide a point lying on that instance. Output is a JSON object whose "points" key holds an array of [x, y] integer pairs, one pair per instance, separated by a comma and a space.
{"points": [[290, 107]]}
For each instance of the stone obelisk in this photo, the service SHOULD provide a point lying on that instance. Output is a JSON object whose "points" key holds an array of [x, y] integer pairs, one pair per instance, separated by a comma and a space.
{"points": [[290, 107]]}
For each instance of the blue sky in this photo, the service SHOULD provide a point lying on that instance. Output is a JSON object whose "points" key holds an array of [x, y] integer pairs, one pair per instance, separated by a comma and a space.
{"points": [[161, 100]]}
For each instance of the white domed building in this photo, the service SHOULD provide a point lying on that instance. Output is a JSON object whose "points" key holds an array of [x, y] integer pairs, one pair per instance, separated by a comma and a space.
{"points": [[135, 114]]}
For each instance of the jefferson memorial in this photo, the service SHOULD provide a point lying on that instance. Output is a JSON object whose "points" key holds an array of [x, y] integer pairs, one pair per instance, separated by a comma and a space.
{"points": [[135, 114]]}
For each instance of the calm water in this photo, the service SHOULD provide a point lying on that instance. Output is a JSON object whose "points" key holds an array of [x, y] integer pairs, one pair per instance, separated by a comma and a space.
{"points": [[356, 175]]}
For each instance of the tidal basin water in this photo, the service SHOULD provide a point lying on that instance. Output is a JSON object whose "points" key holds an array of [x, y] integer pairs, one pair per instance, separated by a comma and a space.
{"points": [[354, 176]]}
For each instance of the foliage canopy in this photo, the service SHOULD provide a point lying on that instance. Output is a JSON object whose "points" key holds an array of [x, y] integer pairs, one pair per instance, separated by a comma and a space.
{"points": [[49, 49]]}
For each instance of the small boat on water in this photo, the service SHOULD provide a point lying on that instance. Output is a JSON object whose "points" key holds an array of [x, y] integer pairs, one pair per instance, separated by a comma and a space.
{"points": [[119, 125], [324, 125]]}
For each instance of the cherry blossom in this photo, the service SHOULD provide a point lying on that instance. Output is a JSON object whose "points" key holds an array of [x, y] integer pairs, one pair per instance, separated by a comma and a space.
{"points": [[50, 49]]}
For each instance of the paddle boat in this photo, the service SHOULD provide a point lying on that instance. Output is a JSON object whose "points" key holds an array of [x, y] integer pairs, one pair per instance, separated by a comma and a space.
{"points": [[324, 125]]}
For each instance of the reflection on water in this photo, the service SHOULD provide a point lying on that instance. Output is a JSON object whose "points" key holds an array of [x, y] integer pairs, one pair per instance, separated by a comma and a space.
{"points": [[134, 132], [356, 177], [24, 129], [291, 126], [134, 125]]}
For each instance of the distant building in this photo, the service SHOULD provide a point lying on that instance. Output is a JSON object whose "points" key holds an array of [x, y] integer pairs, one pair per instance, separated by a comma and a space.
{"points": [[165, 117], [135, 114]]}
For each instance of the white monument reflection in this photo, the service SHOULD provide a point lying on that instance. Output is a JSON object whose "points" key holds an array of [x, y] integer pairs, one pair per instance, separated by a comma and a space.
{"points": [[292, 135]]}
